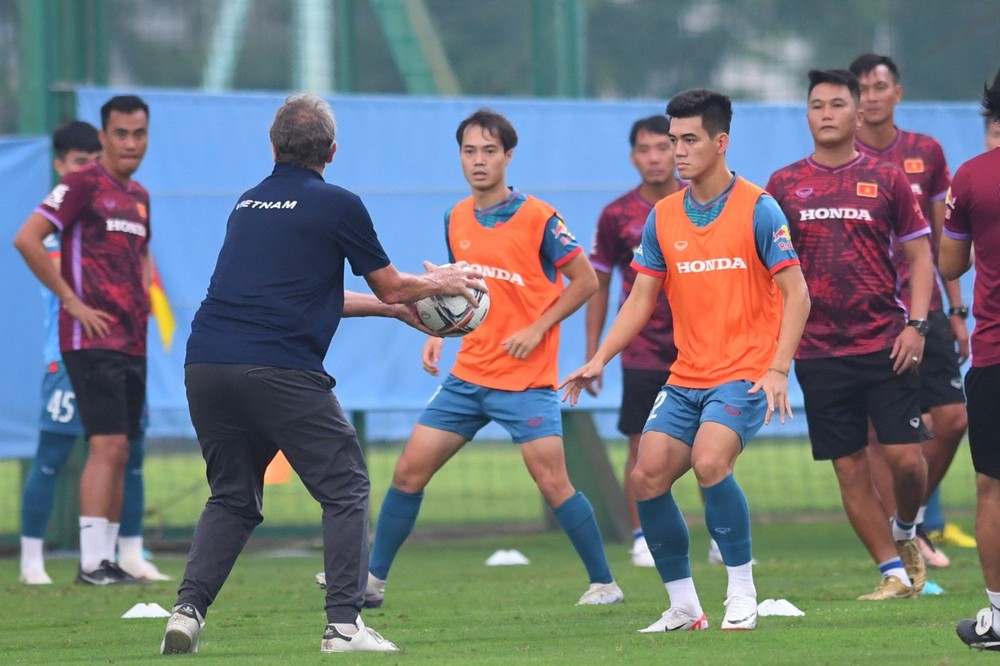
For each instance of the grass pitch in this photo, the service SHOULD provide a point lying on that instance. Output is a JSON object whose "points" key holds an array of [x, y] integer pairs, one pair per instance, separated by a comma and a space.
{"points": [[443, 605]]}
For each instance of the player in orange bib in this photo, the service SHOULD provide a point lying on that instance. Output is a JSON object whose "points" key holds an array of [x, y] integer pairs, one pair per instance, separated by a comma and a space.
{"points": [[506, 369], [723, 253]]}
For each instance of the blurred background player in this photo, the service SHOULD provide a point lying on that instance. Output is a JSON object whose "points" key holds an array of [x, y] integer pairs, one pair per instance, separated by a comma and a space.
{"points": [[75, 145], [646, 359], [973, 224], [720, 250], [858, 355], [506, 369], [947, 343], [102, 215]]}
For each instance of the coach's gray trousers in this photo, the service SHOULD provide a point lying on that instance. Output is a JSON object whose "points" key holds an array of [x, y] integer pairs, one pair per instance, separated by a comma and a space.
{"points": [[243, 414]]}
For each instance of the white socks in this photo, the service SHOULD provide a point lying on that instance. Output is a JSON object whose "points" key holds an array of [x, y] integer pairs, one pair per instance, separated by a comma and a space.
{"points": [[683, 596], [93, 542], [741, 581], [31, 554], [130, 549]]}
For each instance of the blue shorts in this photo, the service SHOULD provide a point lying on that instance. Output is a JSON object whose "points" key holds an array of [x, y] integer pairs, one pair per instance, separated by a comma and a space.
{"points": [[463, 408], [59, 412], [679, 412]]}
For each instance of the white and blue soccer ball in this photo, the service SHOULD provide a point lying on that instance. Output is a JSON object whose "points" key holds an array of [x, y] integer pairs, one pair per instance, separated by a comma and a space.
{"points": [[453, 316]]}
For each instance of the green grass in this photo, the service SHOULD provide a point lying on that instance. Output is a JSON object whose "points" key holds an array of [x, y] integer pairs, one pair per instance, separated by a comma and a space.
{"points": [[486, 484], [444, 606]]}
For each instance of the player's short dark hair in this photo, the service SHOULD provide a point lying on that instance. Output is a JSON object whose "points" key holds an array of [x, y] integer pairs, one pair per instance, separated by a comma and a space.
{"points": [[715, 109], [75, 135], [304, 131], [493, 124], [867, 62], [658, 124], [122, 104], [991, 99], [836, 77]]}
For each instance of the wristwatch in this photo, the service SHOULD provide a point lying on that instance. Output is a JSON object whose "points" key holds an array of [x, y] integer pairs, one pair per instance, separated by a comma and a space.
{"points": [[960, 311], [920, 324]]}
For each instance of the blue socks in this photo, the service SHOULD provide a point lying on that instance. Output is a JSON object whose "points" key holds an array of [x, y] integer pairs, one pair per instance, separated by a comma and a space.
{"points": [[396, 519], [134, 500], [576, 517], [727, 517], [40, 486], [667, 535], [933, 516]]}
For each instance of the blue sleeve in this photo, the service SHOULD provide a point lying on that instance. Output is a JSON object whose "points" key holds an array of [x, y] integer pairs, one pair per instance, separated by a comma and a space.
{"points": [[557, 242], [649, 255], [771, 233]]}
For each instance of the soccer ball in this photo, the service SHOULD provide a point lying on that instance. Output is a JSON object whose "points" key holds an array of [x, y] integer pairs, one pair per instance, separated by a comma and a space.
{"points": [[453, 316]]}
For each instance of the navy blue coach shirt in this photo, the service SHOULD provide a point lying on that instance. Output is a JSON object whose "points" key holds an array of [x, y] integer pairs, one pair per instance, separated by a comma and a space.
{"points": [[277, 293]]}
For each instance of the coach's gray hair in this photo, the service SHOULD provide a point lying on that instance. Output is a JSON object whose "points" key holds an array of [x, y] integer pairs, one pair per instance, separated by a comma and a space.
{"points": [[303, 131]]}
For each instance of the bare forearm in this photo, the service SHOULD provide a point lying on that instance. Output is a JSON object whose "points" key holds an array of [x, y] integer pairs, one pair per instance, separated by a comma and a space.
{"points": [[597, 313], [793, 322], [579, 291], [366, 305], [37, 258]]}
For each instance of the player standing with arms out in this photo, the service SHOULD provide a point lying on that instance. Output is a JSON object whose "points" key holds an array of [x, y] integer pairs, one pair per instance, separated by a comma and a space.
{"points": [[858, 355], [941, 397], [255, 378], [720, 249], [646, 359], [972, 224], [506, 369], [102, 215], [76, 144]]}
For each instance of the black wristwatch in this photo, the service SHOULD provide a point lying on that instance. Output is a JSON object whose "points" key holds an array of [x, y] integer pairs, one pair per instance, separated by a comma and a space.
{"points": [[920, 324], [961, 311]]}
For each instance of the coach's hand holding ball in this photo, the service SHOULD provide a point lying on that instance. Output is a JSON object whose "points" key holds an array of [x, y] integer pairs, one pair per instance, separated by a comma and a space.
{"points": [[455, 316]]}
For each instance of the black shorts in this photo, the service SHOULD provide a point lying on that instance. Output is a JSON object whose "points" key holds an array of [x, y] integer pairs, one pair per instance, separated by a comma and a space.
{"points": [[940, 372], [639, 389], [110, 390], [982, 385], [842, 393]]}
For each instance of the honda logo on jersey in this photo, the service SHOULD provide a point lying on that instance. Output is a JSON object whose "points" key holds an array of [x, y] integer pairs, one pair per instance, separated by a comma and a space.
{"points": [[834, 214], [704, 266]]}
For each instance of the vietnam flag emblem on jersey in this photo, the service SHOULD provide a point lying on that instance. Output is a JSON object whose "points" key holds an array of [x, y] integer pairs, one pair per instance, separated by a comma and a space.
{"points": [[869, 190], [913, 165]]}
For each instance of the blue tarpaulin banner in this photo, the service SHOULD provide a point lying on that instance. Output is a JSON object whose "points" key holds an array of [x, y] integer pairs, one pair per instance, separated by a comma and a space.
{"points": [[401, 156]]}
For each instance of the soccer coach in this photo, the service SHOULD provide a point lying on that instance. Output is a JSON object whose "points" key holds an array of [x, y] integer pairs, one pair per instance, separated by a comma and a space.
{"points": [[254, 370]]}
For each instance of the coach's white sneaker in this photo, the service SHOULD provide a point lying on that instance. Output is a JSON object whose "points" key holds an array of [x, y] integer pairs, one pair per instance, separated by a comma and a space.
{"points": [[365, 640], [676, 619], [741, 613], [183, 630], [35, 577], [641, 557], [321, 580], [142, 569], [600, 594]]}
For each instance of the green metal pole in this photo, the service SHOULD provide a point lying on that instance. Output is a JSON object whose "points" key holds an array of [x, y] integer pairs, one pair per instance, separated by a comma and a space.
{"points": [[344, 45]]}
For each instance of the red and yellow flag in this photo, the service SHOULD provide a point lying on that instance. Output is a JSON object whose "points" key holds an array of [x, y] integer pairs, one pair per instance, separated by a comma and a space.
{"points": [[162, 311]]}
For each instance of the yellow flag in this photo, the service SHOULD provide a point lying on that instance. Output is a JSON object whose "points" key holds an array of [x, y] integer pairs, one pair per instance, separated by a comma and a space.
{"points": [[162, 311]]}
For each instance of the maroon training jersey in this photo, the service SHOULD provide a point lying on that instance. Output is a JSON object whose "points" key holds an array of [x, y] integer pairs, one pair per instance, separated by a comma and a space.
{"points": [[841, 222], [104, 231], [973, 212], [922, 160], [619, 232]]}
